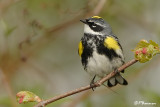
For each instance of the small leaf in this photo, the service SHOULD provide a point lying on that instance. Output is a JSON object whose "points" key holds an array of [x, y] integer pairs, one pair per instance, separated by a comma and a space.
{"points": [[6, 28], [144, 51], [153, 43], [142, 43], [26, 96], [9, 31]]}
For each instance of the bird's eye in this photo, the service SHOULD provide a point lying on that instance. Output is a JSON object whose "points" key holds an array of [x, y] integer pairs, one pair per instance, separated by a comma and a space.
{"points": [[94, 25]]}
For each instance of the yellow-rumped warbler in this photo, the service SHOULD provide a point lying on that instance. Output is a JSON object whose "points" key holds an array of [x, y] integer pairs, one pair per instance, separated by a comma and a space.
{"points": [[100, 50]]}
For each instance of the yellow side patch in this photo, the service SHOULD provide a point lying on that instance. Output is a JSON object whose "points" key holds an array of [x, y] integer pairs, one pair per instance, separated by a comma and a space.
{"points": [[97, 17], [80, 48], [111, 43]]}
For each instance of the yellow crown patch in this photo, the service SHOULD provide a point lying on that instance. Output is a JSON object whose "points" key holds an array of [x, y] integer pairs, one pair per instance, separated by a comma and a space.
{"points": [[97, 17]]}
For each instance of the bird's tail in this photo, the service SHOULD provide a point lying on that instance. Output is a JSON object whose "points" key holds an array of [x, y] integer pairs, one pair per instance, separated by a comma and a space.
{"points": [[117, 79]]}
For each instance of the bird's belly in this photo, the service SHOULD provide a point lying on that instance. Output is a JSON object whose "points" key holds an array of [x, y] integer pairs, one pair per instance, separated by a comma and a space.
{"points": [[100, 65]]}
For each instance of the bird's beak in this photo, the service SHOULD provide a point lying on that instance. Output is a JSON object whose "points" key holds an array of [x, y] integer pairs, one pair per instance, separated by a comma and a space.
{"points": [[84, 21]]}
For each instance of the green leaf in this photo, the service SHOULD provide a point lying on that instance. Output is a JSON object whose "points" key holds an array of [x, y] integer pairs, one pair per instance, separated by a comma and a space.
{"points": [[27, 96], [9, 31], [144, 51], [141, 44], [154, 43]]}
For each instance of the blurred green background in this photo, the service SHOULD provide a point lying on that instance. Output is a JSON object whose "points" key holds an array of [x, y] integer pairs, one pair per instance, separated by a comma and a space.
{"points": [[39, 43]]}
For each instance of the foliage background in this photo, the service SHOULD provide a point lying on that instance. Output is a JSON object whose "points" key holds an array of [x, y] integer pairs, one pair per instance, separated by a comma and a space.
{"points": [[38, 51]]}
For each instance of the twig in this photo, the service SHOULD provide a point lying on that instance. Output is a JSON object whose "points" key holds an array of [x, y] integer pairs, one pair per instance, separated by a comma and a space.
{"points": [[96, 84], [99, 7], [63, 25], [49, 32], [96, 11]]}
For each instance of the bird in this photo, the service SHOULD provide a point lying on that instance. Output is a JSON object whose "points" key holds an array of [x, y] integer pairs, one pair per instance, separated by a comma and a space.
{"points": [[100, 51]]}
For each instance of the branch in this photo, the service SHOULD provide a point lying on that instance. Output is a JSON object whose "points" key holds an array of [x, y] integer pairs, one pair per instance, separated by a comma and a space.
{"points": [[99, 7], [143, 52], [96, 84]]}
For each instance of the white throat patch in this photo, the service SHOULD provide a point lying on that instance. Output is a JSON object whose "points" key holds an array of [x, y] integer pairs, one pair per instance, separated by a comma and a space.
{"points": [[87, 29]]}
